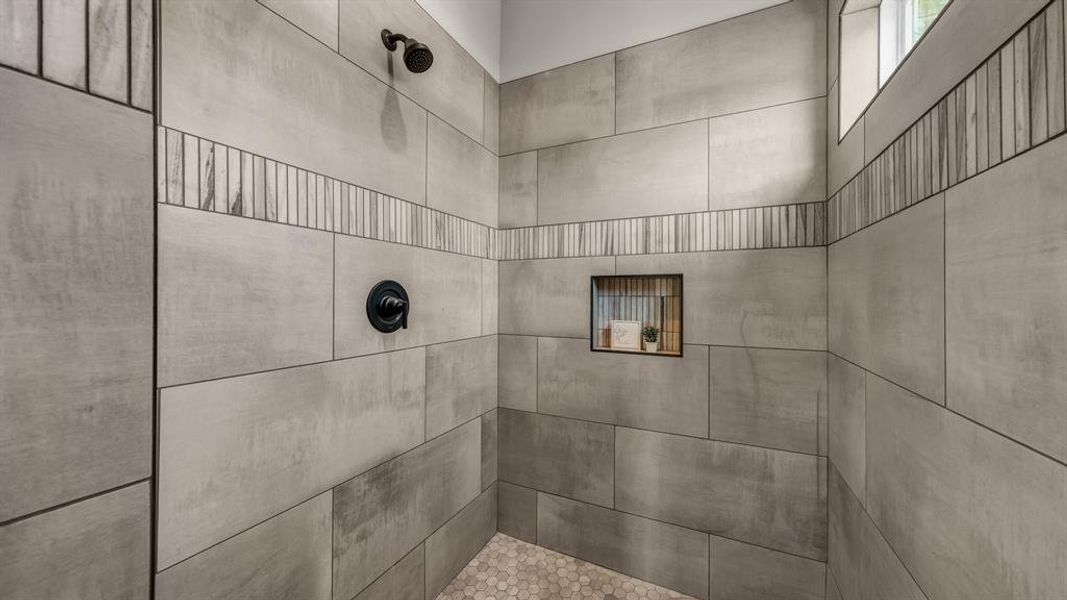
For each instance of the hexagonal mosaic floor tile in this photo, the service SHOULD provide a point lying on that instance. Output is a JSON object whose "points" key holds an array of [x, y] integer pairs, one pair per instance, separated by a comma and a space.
{"points": [[508, 568]]}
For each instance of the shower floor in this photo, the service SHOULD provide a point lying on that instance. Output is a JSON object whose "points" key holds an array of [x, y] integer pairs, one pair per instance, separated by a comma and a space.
{"points": [[509, 568]]}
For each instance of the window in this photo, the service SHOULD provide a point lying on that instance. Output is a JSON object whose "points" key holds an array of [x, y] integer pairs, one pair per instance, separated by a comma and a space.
{"points": [[876, 36]]}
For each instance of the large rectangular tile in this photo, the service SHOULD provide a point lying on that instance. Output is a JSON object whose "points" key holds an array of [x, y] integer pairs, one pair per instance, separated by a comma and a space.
{"points": [[653, 172], [517, 511], [490, 297], [886, 295], [236, 451], [767, 497], [766, 58], [741, 571], [491, 135], [518, 190], [287, 556], [461, 175], [490, 437], [96, 548], [664, 394], [453, 89], [567, 104], [766, 397], [656, 552], [549, 297], [768, 157], [863, 564], [384, 513], [971, 513], [403, 581], [460, 382], [562, 456], [444, 290], [18, 47], [1006, 288], [848, 429], [216, 56], [109, 48], [452, 546], [75, 294], [844, 155], [769, 298], [518, 372], [318, 18], [237, 295]]}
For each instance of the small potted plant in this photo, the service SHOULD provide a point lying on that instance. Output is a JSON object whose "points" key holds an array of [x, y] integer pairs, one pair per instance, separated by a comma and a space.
{"points": [[651, 336]]}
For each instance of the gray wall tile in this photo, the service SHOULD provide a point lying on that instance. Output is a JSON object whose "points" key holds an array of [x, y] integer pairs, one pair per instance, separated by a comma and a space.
{"points": [[384, 513], [18, 47], [96, 548], [489, 448], [762, 59], [490, 297], [517, 511], [461, 175], [316, 17], [665, 395], [518, 372], [767, 157], [660, 553], [460, 382], [491, 135], [237, 295], [403, 581], [972, 514], [767, 397], [549, 297], [142, 53], [108, 48], [863, 564], [452, 546], [1006, 288], [63, 42], [571, 103], [287, 556], [236, 451], [768, 497], [844, 157], [453, 89], [553, 454], [886, 291], [643, 173], [216, 55], [518, 190], [741, 571], [848, 428], [769, 298], [76, 294], [444, 289]]}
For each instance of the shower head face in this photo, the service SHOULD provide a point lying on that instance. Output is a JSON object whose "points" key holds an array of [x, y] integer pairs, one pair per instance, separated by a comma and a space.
{"points": [[417, 57]]}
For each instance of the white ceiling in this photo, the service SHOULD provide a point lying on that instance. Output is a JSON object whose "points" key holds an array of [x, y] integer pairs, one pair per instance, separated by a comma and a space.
{"points": [[516, 38]]}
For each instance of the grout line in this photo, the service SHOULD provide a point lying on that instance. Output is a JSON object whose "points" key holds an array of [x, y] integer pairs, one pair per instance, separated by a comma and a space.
{"points": [[72, 502]]}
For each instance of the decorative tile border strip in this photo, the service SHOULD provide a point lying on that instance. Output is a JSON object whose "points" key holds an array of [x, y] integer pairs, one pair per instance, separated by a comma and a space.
{"points": [[788, 226], [206, 175], [1014, 101]]}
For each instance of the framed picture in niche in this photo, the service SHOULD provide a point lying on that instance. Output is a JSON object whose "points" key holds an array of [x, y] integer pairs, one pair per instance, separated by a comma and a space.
{"points": [[636, 314]]}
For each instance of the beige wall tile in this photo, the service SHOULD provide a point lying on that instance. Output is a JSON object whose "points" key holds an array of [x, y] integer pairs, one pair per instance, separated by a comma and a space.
{"points": [[1006, 288], [216, 56], [96, 548], [660, 171], [571, 103], [770, 57], [767, 398], [886, 297], [236, 451], [238, 296], [549, 297], [972, 514], [768, 298], [287, 556], [461, 176], [768, 157], [663, 394], [518, 190], [75, 295]]}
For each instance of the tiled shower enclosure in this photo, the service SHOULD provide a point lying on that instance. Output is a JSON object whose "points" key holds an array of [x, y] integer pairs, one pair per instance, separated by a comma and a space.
{"points": [[860, 390]]}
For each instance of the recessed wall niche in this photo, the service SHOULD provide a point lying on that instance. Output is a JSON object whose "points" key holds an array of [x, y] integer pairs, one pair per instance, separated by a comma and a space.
{"points": [[637, 314]]}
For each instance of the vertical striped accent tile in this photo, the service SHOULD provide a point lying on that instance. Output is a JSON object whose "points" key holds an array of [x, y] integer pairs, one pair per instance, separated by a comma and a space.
{"points": [[109, 49], [1038, 81], [175, 168], [233, 181], [1054, 55], [207, 175], [1021, 48]]}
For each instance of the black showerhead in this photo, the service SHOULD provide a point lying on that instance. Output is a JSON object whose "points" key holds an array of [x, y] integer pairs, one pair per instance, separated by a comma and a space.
{"points": [[417, 56]]}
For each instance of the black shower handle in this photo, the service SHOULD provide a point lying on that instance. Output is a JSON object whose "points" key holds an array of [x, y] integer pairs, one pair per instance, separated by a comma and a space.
{"points": [[388, 306]]}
